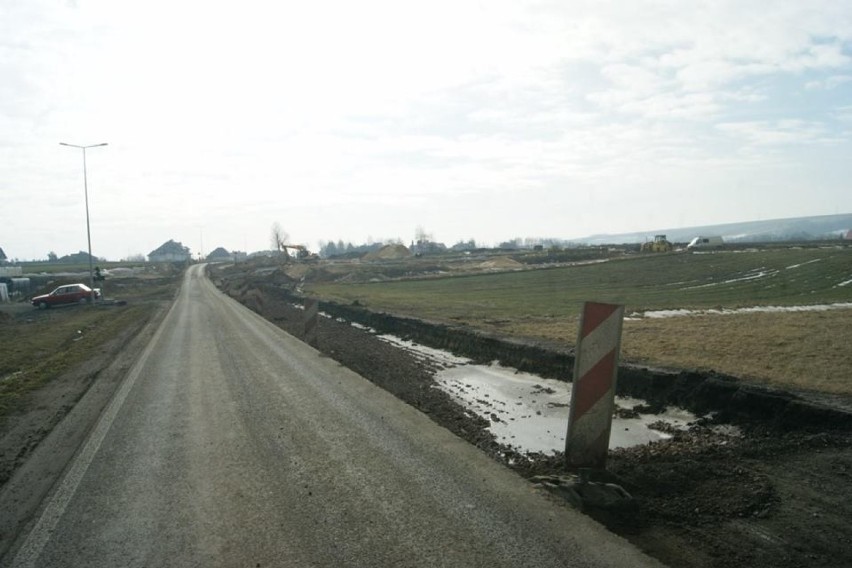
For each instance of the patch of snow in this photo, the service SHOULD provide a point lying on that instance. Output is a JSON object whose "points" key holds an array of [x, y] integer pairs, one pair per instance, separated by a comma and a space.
{"points": [[844, 283], [587, 262], [668, 313], [762, 273], [792, 266], [636, 316], [738, 251]]}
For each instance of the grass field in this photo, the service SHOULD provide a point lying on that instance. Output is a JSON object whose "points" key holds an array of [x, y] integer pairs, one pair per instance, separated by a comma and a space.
{"points": [[37, 346], [32, 353], [806, 350]]}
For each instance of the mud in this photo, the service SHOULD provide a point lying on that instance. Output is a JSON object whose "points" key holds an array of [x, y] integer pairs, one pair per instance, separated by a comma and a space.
{"points": [[731, 400], [777, 495]]}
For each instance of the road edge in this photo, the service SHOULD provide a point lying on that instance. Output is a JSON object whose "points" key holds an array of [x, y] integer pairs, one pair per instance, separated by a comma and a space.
{"points": [[28, 490]]}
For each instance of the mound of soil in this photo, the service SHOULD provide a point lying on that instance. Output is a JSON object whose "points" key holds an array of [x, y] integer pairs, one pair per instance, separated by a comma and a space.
{"points": [[500, 263], [766, 497], [389, 252]]}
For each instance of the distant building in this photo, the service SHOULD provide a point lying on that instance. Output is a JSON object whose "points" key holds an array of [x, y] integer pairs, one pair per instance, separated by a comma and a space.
{"points": [[220, 254], [3, 257], [847, 236], [170, 251], [81, 257]]}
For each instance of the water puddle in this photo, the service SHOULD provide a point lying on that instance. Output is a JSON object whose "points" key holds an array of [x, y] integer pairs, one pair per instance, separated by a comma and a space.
{"points": [[527, 412], [435, 357], [530, 413]]}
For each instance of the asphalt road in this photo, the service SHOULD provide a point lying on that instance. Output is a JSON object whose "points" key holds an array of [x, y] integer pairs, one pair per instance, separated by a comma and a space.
{"points": [[230, 443]]}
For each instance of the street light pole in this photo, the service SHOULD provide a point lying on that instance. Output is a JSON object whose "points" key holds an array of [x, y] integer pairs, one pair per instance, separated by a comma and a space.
{"points": [[86, 194]]}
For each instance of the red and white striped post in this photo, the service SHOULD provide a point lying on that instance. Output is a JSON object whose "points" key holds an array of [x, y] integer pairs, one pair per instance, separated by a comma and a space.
{"points": [[593, 393], [311, 320]]}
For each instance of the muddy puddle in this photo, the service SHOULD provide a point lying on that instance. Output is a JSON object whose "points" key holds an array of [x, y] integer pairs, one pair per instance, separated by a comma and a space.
{"points": [[530, 413], [721, 398]]}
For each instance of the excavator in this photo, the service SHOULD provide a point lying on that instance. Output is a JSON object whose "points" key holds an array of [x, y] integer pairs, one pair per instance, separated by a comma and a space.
{"points": [[659, 244], [302, 252]]}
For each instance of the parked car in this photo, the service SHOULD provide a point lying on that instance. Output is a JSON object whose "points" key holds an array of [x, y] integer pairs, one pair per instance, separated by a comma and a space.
{"points": [[68, 294]]}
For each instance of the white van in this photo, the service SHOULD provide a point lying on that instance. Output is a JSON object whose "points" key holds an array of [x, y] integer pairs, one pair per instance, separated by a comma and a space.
{"points": [[705, 242]]}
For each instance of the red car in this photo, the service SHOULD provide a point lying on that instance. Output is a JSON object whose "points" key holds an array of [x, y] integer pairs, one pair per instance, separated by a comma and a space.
{"points": [[68, 294]]}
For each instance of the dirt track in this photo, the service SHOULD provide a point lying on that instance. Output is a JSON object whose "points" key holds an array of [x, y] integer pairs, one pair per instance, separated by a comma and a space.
{"points": [[777, 496]]}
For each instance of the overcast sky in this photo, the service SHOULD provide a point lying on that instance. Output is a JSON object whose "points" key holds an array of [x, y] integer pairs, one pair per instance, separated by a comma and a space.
{"points": [[364, 120]]}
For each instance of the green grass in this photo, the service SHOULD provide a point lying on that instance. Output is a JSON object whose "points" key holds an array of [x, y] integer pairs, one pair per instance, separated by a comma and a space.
{"points": [[799, 350], [32, 353], [37, 346], [663, 281]]}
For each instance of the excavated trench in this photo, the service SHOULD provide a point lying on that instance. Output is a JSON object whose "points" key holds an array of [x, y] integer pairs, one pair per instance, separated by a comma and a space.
{"points": [[727, 398]]}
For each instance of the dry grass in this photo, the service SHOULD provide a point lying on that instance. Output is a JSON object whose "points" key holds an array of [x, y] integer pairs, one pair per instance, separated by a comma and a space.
{"points": [[808, 350], [803, 350], [39, 350], [37, 346]]}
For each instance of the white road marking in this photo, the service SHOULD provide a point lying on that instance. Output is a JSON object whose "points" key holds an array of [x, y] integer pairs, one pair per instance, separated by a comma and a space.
{"points": [[27, 556]]}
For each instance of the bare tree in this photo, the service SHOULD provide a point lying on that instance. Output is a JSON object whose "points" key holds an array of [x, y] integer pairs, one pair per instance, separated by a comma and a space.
{"points": [[421, 236], [279, 237]]}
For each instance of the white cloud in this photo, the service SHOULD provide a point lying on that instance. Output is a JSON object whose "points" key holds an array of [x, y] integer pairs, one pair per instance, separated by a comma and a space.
{"points": [[781, 132], [829, 83], [844, 113], [236, 112]]}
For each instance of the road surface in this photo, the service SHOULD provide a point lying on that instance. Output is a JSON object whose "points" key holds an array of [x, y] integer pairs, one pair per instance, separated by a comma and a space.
{"points": [[231, 443]]}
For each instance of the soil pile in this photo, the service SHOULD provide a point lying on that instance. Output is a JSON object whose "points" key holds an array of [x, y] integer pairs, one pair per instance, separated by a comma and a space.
{"points": [[501, 263], [388, 252]]}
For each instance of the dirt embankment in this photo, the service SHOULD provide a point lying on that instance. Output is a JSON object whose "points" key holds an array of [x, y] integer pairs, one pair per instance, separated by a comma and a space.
{"points": [[776, 495]]}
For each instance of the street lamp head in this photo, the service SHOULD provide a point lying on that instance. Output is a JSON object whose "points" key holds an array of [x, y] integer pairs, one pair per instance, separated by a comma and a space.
{"points": [[83, 147]]}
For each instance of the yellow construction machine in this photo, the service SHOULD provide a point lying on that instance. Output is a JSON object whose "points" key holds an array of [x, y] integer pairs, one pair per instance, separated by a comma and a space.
{"points": [[659, 244]]}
